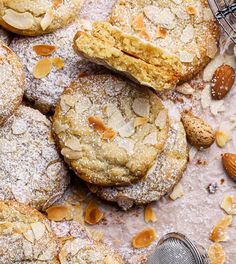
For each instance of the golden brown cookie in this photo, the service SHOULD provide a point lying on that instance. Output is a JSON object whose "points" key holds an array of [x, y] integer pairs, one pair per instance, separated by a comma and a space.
{"points": [[11, 82], [110, 130], [25, 236], [32, 18], [160, 179]]}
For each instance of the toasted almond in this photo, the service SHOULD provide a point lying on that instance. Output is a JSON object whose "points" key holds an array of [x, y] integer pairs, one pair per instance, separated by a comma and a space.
{"points": [[216, 254], [127, 130], [191, 10], [42, 68], [149, 214], [229, 162], [161, 119], [222, 138], [139, 121], [177, 192], [17, 20], [58, 62], [218, 233], [185, 56], [185, 89], [47, 19], [161, 32], [38, 230], [199, 133], [44, 50], [93, 214], [144, 238], [59, 213], [138, 22], [141, 107], [229, 204], [56, 3], [150, 139], [97, 123], [109, 134], [29, 235], [212, 47], [145, 35]]}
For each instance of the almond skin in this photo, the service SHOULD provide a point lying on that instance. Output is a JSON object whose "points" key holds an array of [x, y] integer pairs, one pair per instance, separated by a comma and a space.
{"points": [[229, 162], [222, 81], [199, 133]]}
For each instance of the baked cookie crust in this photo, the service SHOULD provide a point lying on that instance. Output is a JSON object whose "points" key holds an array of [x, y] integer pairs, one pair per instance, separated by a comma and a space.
{"points": [[110, 130]]}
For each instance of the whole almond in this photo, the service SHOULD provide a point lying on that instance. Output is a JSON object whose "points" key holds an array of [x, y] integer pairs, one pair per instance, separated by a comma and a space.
{"points": [[222, 82], [229, 162], [199, 133]]}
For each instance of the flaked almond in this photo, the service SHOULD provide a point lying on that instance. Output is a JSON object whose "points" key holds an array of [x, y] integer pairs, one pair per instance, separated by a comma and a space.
{"points": [[44, 50], [149, 214], [138, 22], [216, 254], [93, 214], [151, 139], [38, 229], [29, 235], [222, 82], [161, 119], [56, 3], [109, 134], [73, 143], [139, 121], [97, 235], [199, 133], [47, 19], [59, 213], [141, 107], [185, 89], [177, 192], [97, 123], [229, 204], [218, 233], [222, 138], [58, 63], [42, 68], [71, 154], [127, 130], [144, 238], [191, 10], [229, 162], [161, 32], [17, 20], [145, 35]]}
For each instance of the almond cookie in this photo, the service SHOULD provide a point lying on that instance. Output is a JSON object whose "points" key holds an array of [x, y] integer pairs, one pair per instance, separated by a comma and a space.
{"points": [[110, 130], [33, 18], [160, 179], [31, 170], [11, 83], [25, 236], [54, 54]]}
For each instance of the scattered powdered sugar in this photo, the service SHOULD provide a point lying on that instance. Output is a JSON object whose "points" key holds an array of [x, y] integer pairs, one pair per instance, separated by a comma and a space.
{"points": [[31, 170]]}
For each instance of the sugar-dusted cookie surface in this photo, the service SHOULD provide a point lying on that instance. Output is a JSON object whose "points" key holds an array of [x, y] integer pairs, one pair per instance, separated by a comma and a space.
{"points": [[25, 236], [32, 18], [44, 91], [185, 28], [110, 130], [160, 179], [31, 170], [11, 82]]}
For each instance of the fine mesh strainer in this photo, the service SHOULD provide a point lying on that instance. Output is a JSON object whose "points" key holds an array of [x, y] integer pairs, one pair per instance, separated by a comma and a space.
{"points": [[175, 248]]}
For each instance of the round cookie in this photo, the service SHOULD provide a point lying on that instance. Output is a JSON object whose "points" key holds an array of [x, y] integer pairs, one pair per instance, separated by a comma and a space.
{"points": [[185, 28], [110, 130], [44, 92], [25, 236], [33, 18], [31, 170], [161, 178], [11, 82]]}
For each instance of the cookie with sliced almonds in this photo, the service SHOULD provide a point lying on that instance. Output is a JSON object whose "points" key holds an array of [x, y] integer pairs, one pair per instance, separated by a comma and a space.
{"points": [[160, 179], [25, 235], [11, 82], [33, 18], [110, 130], [31, 170]]}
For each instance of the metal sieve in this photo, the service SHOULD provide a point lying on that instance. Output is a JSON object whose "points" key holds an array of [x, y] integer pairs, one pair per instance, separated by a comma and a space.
{"points": [[175, 248]]}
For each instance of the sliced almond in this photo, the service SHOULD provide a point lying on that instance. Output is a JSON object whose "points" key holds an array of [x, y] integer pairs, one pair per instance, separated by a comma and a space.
{"points": [[218, 233], [222, 138], [191, 10], [229, 204], [17, 20], [150, 139], [161, 32], [42, 68], [138, 22], [161, 119], [185, 89], [97, 123], [127, 144], [59, 213], [73, 143], [71, 154], [29, 235], [216, 254], [177, 192], [141, 107], [93, 214], [116, 120], [187, 34], [44, 50], [144, 238], [58, 63], [97, 236], [145, 35], [185, 56], [56, 3], [83, 105], [139, 121], [127, 130], [149, 214], [109, 134], [47, 19], [38, 230]]}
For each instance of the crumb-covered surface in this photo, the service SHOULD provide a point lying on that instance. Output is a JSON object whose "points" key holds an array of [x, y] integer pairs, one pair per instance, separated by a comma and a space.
{"points": [[31, 170]]}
